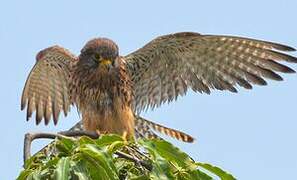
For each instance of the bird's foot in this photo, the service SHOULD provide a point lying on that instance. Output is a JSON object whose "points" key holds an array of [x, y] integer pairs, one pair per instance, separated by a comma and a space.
{"points": [[125, 135]]}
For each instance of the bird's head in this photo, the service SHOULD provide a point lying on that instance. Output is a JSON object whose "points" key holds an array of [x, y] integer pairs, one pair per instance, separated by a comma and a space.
{"points": [[100, 52]]}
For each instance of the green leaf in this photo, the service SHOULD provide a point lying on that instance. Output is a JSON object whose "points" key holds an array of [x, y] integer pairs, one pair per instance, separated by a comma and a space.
{"points": [[86, 140], [79, 170], [65, 145], [161, 167], [126, 168], [94, 167], [50, 162], [141, 177], [108, 139], [217, 171], [35, 161], [100, 158], [35, 175], [192, 175], [24, 174], [85, 158], [62, 169], [30, 162], [200, 175], [170, 153], [115, 146]]}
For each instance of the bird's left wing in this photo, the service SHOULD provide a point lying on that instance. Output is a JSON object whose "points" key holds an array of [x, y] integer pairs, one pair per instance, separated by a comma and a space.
{"points": [[167, 66], [47, 88]]}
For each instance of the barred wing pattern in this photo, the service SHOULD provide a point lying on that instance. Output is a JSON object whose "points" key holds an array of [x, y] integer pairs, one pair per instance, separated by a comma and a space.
{"points": [[47, 88], [167, 66]]}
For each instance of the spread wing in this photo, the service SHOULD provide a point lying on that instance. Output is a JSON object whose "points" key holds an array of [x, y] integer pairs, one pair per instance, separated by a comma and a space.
{"points": [[47, 87], [168, 65]]}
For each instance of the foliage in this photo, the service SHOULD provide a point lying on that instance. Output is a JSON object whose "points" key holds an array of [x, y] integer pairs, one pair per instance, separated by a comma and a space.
{"points": [[86, 158]]}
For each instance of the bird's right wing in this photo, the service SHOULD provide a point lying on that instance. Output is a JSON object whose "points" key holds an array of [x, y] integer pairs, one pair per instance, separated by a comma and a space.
{"points": [[47, 87]]}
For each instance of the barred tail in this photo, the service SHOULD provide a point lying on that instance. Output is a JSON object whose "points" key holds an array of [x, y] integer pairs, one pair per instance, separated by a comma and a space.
{"points": [[143, 129], [144, 126]]}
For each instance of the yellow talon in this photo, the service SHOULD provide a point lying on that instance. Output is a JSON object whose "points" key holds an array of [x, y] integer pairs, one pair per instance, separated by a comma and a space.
{"points": [[98, 132], [125, 135]]}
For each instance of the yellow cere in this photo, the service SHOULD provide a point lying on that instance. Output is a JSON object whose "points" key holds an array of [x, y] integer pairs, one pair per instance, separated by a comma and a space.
{"points": [[105, 62]]}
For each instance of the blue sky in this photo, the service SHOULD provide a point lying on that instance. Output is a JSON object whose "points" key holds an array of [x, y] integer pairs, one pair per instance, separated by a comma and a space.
{"points": [[251, 134]]}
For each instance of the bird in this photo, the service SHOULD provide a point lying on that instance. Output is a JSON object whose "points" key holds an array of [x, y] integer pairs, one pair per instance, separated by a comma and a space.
{"points": [[111, 90]]}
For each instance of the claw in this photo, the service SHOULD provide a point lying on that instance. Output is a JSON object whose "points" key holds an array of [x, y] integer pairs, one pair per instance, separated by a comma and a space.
{"points": [[98, 132], [125, 135]]}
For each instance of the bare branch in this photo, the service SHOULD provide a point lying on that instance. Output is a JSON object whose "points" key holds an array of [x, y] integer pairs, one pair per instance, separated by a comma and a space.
{"points": [[30, 137]]}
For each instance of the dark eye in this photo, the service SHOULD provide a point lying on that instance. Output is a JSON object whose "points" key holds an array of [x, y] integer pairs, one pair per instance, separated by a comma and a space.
{"points": [[97, 56]]}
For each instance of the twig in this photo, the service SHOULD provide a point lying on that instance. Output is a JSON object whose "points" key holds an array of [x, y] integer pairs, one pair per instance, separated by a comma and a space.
{"points": [[30, 137], [137, 161], [134, 148], [90, 134]]}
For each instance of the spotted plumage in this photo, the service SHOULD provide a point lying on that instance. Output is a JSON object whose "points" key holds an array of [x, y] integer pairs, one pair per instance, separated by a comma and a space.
{"points": [[111, 90]]}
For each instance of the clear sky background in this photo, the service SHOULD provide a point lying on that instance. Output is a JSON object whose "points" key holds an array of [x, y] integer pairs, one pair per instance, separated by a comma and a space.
{"points": [[251, 134]]}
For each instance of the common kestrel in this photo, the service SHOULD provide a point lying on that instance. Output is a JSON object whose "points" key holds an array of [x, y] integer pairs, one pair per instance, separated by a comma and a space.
{"points": [[111, 90]]}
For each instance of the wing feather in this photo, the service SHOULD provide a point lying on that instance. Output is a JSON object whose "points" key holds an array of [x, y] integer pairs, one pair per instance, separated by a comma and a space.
{"points": [[167, 66], [47, 87]]}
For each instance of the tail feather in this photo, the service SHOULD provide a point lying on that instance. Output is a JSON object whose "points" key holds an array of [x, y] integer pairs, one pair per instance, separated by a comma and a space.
{"points": [[143, 130], [145, 126]]}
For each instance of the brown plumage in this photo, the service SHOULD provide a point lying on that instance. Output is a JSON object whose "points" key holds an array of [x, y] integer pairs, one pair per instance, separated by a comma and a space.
{"points": [[145, 128], [109, 89], [103, 92]]}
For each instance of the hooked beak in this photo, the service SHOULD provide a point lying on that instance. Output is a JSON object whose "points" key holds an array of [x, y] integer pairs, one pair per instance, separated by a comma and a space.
{"points": [[106, 62]]}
